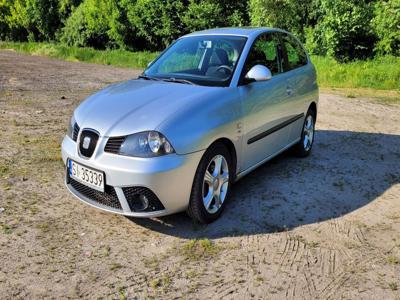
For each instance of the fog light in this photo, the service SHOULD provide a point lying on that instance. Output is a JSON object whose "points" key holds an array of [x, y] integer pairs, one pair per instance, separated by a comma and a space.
{"points": [[141, 199], [145, 202]]}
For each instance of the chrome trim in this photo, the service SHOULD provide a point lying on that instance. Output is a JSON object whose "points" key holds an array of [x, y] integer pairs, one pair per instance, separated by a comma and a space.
{"points": [[78, 140], [122, 199]]}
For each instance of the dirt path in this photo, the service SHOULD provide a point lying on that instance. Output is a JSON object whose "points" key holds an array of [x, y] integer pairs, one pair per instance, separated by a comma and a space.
{"points": [[325, 227]]}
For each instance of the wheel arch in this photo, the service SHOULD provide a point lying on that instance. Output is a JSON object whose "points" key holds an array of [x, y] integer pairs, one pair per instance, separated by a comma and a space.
{"points": [[232, 151], [313, 107]]}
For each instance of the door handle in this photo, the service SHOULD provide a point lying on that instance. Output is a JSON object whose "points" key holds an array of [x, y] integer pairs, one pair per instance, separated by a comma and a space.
{"points": [[289, 90]]}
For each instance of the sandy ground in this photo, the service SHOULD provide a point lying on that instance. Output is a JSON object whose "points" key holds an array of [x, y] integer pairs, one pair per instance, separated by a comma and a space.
{"points": [[324, 227]]}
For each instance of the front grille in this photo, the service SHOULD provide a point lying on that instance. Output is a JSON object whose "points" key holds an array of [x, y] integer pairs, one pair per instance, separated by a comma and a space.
{"points": [[76, 132], [114, 144], [87, 142], [132, 195], [109, 198]]}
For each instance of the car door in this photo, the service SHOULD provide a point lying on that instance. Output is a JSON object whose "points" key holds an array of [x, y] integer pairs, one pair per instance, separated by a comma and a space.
{"points": [[300, 79], [264, 104]]}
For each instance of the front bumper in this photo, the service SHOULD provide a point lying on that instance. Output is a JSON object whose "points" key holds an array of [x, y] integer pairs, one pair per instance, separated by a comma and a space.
{"points": [[169, 177]]}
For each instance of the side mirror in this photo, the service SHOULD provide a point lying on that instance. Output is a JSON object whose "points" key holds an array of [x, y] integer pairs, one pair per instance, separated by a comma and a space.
{"points": [[258, 73]]}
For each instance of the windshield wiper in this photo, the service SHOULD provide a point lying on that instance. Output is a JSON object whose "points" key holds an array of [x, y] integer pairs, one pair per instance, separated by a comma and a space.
{"points": [[179, 80], [145, 77]]}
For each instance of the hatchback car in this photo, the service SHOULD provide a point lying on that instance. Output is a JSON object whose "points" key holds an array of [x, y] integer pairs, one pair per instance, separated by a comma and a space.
{"points": [[212, 107]]}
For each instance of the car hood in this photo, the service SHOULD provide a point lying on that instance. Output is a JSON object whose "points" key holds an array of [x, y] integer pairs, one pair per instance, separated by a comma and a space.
{"points": [[136, 105]]}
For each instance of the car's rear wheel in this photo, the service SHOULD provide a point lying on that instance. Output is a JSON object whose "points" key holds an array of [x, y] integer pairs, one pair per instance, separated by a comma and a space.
{"points": [[211, 185], [304, 146]]}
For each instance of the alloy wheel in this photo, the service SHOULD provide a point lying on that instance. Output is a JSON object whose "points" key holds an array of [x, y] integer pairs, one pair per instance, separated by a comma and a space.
{"points": [[308, 132], [215, 184]]}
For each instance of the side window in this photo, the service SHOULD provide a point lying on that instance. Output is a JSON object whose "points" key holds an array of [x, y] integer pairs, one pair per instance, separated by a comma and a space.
{"points": [[294, 56], [265, 51]]}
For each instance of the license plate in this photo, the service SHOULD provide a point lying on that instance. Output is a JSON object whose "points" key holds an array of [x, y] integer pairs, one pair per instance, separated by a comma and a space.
{"points": [[86, 176]]}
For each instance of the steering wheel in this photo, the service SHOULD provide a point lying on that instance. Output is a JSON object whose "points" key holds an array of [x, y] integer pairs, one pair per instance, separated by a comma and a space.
{"points": [[224, 67]]}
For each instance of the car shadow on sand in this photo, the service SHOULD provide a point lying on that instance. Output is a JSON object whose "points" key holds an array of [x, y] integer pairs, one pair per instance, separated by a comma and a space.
{"points": [[346, 171]]}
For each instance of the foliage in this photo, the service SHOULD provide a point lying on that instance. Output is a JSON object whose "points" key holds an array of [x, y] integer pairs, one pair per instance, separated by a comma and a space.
{"points": [[66, 7], [290, 15], [387, 26], [380, 73], [343, 29], [5, 7], [202, 15], [35, 20], [233, 13], [156, 21], [117, 57], [95, 23]]}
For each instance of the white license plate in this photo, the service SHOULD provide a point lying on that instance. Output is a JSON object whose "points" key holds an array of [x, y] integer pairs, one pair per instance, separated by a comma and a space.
{"points": [[86, 176]]}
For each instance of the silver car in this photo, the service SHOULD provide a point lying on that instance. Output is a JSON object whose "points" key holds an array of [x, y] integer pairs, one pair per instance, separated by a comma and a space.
{"points": [[212, 107]]}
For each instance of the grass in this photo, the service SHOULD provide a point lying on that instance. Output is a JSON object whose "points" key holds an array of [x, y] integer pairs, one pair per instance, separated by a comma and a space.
{"points": [[118, 58], [155, 283], [380, 96], [164, 282], [115, 266], [393, 260], [393, 286], [6, 229], [198, 249], [382, 73]]}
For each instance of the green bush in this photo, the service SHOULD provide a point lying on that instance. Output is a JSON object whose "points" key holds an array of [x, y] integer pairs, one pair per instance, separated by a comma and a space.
{"points": [[233, 13], [66, 7], [290, 15], [118, 58], [96, 23], [343, 29], [202, 15], [387, 26], [5, 7], [35, 20], [158, 22]]}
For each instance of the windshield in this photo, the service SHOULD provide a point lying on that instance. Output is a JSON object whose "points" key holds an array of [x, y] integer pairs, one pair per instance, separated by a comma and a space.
{"points": [[203, 60]]}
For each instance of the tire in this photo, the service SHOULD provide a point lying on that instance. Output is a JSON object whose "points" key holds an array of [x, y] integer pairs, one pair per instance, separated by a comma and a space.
{"points": [[213, 189], [303, 147]]}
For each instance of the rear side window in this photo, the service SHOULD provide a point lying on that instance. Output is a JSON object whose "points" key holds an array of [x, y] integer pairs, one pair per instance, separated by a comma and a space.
{"points": [[294, 55]]}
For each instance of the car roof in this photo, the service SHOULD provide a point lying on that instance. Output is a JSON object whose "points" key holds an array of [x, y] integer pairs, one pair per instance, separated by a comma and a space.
{"points": [[237, 31]]}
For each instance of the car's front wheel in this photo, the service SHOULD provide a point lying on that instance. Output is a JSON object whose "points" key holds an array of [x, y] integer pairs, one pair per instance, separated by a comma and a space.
{"points": [[211, 185]]}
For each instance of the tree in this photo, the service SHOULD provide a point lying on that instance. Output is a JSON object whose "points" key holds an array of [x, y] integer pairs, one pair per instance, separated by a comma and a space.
{"points": [[387, 27], [96, 23], [66, 7], [202, 15], [158, 22], [343, 29], [5, 7], [290, 15], [37, 20]]}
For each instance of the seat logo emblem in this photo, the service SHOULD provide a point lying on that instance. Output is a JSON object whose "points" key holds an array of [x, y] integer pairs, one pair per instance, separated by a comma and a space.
{"points": [[86, 142]]}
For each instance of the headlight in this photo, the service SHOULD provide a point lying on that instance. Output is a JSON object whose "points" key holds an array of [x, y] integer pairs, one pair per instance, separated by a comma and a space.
{"points": [[70, 131], [146, 144]]}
